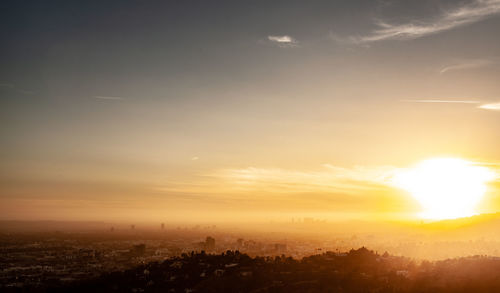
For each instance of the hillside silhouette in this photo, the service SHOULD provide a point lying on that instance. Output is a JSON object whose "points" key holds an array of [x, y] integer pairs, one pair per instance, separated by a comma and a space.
{"points": [[360, 270]]}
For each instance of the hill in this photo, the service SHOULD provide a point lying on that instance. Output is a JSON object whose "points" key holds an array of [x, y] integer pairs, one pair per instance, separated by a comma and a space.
{"points": [[358, 270]]}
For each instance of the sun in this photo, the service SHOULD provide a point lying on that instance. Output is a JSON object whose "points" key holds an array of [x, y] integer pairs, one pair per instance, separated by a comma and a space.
{"points": [[446, 188]]}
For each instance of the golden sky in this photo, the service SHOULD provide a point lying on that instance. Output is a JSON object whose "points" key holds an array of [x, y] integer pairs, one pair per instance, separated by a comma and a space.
{"points": [[225, 111]]}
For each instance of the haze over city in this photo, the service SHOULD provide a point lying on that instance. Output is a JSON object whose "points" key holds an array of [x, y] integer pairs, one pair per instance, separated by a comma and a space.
{"points": [[250, 146]]}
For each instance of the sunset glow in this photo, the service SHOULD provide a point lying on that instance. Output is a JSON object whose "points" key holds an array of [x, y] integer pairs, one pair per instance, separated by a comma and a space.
{"points": [[250, 146], [232, 112], [446, 188]]}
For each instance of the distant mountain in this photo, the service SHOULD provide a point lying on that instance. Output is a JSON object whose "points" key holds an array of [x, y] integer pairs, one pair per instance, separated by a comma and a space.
{"points": [[479, 224]]}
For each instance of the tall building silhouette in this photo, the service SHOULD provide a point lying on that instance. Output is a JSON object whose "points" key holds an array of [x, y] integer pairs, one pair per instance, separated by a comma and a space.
{"points": [[210, 243]]}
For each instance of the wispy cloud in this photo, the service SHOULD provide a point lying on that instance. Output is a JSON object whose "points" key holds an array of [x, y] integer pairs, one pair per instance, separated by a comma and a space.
{"points": [[492, 106], [108, 98], [468, 64], [471, 12], [442, 101], [332, 188], [329, 179], [283, 41]]}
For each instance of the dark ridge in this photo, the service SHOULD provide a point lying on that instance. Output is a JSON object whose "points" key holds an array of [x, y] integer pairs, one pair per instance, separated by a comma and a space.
{"points": [[360, 270]]}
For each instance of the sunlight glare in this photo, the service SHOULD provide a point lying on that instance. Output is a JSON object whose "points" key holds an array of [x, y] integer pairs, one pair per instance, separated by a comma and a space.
{"points": [[446, 188]]}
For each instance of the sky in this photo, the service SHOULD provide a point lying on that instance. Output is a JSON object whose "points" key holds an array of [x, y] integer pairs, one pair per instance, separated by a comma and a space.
{"points": [[240, 110]]}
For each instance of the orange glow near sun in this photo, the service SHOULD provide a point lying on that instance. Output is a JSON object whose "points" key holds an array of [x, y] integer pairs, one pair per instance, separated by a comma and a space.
{"points": [[446, 188]]}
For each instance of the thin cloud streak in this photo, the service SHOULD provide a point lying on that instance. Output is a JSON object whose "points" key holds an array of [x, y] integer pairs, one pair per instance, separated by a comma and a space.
{"points": [[470, 64], [492, 106], [441, 101], [330, 179], [470, 13], [283, 41]]}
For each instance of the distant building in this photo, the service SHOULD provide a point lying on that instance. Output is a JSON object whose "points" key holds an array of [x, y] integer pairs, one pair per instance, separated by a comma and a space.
{"points": [[162, 226], [210, 243]]}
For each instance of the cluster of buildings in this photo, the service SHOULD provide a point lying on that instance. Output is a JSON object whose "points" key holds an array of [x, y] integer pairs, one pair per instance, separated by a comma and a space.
{"points": [[55, 261], [47, 260]]}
